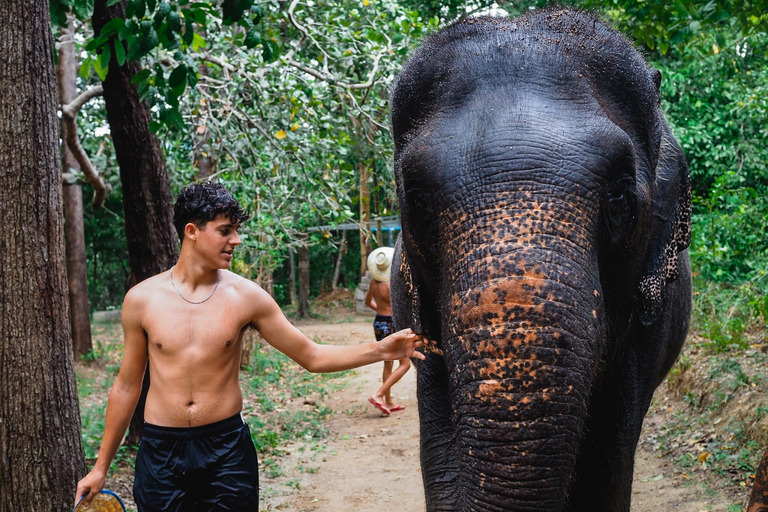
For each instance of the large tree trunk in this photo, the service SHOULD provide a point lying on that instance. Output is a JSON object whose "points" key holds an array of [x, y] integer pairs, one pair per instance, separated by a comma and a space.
{"points": [[147, 200], [74, 232], [41, 454]]}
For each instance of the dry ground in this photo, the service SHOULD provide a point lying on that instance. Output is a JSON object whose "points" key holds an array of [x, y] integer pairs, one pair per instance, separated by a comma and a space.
{"points": [[371, 461]]}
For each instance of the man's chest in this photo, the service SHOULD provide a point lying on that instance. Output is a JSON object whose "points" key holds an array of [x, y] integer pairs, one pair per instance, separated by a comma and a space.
{"points": [[185, 328]]}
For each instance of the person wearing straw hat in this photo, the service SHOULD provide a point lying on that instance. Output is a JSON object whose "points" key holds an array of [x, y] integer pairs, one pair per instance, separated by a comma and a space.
{"points": [[377, 298]]}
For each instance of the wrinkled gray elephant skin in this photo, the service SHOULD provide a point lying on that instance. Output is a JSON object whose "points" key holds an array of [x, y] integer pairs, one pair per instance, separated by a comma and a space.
{"points": [[546, 219]]}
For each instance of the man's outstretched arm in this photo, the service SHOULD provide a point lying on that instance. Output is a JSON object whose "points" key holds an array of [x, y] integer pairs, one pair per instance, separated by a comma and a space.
{"points": [[275, 328]]}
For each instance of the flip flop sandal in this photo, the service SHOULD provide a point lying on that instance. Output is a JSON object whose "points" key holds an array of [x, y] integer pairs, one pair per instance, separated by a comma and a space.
{"points": [[380, 406]]}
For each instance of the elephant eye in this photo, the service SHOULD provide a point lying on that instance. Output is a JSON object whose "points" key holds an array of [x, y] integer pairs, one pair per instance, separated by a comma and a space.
{"points": [[420, 214], [619, 213], [417, 201]]}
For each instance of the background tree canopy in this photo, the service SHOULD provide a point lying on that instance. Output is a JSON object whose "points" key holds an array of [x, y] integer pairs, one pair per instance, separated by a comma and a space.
{"points": [[286, 101]]}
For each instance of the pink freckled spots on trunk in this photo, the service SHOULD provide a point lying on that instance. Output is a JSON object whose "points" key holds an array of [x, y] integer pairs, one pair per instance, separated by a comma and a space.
{"points": [[493, 303], [594, 313], [489, 387]]}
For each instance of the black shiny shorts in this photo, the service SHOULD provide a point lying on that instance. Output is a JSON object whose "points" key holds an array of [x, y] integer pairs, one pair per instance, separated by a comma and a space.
{"points": [[383, 326], [208, 468]]}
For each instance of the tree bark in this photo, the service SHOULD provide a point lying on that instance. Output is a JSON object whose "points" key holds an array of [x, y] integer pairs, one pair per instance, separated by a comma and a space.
{"points": [[292, 279], [365, 219], [147, 200], [41, 454], [303, 309], [74, 232], [342, 252]]}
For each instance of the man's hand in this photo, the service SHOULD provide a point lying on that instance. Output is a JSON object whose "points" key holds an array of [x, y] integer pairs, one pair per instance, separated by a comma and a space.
{"points": [[90, 485], [402, 344]]}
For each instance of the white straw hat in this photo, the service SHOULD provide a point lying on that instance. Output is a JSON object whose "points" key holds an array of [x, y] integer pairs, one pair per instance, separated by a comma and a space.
{"points": [[379, 263]]}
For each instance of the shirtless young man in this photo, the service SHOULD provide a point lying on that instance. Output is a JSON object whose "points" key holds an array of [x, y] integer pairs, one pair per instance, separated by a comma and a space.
{"points": [[196, 452], [377, 298]]}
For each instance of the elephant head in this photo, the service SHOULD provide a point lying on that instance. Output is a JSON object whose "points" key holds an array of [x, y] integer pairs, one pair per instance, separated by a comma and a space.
{"points": [[545, 211]]}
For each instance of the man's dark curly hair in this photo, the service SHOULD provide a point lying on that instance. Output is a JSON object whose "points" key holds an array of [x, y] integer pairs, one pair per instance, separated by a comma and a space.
{"points": [[203, 201]]}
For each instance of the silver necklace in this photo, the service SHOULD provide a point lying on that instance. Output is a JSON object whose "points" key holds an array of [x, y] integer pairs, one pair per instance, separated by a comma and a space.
{"points": [[193, 301]]}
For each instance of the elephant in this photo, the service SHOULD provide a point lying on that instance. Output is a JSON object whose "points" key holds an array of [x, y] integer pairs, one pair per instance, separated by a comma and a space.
{"points": [[546, 216]]}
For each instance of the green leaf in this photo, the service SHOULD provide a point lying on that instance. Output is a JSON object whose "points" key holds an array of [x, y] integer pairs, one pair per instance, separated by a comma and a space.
{"points": [[110, 3], [189, 32], [174, 21], [100, 69], [162, 11], [111, 28], [143, 90], [151, 4], [197, 42], [134, 48], [104, 58], [85, 68], [252, 39], [141, 76], [150, 41], [270, 50], [230, 11], [139, 7], [173, 119], [59, 12], [120, 52], [191, 76], [178, 76], [83, 9]]}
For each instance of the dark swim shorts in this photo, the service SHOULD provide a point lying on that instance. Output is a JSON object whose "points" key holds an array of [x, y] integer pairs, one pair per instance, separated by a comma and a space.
{"points": [[383, 326], [200, 469]]}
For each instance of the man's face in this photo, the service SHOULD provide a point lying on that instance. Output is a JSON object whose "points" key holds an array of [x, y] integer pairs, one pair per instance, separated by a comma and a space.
{"points": [[217, 240]]}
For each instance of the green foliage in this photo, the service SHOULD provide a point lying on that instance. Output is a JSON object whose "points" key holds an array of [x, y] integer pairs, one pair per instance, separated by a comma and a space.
{"points": [[716, 96], [107, 253], [661, 25], [728, 243], [173, 31]]}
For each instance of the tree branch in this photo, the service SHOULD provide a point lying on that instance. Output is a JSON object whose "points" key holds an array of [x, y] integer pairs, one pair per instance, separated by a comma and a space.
{"points": [[68, 115]]}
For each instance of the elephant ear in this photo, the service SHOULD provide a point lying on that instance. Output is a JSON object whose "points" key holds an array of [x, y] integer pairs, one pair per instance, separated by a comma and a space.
{"points": [[412, 302], [670, 228], [404, 295]]}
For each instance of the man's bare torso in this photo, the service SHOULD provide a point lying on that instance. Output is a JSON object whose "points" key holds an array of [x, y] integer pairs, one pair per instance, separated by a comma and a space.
{"points": [[194, 352]]}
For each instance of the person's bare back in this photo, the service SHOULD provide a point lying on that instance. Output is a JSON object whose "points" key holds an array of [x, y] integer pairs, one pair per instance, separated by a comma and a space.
{"points": [[379, 293]]}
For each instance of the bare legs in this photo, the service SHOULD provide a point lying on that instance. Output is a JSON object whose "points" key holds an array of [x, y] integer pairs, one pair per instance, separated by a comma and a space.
{"points": [[389, 377]]}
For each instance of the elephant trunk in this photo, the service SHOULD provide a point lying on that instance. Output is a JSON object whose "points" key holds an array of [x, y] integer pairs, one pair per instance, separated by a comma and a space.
{"points": [[522, 336]]}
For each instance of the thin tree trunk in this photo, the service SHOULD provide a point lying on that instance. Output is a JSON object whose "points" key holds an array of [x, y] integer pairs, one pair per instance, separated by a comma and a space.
{"points": [[74, 232], [41, 453], [303, 309], [365, 219], [147, 200], [342, 252], [292, 267]]}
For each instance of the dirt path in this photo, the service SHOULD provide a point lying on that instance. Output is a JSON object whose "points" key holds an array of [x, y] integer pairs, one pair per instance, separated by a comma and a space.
{"points": [[371, 462]]}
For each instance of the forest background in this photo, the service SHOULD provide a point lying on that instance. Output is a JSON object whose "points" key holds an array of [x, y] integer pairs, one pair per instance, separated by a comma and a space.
{"points": [[286, 103]]}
